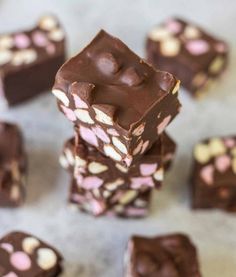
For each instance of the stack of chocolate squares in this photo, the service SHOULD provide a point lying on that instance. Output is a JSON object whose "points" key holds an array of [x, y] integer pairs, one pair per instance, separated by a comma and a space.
{"points": [[120, 107]]}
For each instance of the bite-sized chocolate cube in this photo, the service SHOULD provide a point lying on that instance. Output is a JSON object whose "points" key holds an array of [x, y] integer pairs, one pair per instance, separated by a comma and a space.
{"points": [[214, 174], [168, 149], [164, 256], [29, 60], [24, 255], [110, 202], [12, 166], [93, 169], [118, 102], [187, 51]]}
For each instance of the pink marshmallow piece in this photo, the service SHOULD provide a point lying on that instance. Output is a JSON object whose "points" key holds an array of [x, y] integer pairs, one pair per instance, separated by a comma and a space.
{"points": [[197, 47], [78, 198], [161, 127], [7, 246], [68, 113], [229, 142], [148, 169], [222, 163], [20, 261], [98, 131], [11, 274], [136, 212], [79, 103], [22, 41], [40, 39], [173, 26], [112, 132], [139, 182], [91, 182], [97, 207], [207, 174], [51, 49], [221, 47], [88, 136]]}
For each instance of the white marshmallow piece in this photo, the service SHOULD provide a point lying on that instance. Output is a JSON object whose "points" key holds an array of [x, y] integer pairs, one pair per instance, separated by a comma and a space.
{"points": [[84, 116], [61, 96], [96, 168], [46, 258], [102, 117]]}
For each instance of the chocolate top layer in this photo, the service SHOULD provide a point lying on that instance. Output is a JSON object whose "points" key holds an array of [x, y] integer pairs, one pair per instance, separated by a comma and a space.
{"points": [[165, 256], [191, 42], [116, 77]]}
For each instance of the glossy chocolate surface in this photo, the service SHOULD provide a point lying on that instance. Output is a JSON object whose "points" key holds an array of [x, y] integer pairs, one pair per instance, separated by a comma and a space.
{"points": [[117, 102], [113, 75], [165, 256]]}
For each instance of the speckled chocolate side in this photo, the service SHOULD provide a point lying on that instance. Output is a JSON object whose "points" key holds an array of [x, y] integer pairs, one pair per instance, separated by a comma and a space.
{"points": [[214, 174], [165, 256], [12, 166], [29, 60], [187, 51], [24, 255], [93, 169], [118, 102], [110, 202]]}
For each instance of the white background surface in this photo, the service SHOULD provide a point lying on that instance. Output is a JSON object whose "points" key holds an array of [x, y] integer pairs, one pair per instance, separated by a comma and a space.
{"points": [[95, 247]]}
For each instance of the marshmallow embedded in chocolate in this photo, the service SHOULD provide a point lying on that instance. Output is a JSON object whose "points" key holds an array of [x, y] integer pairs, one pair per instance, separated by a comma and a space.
{"points": [[107, 63], [131, 77]]}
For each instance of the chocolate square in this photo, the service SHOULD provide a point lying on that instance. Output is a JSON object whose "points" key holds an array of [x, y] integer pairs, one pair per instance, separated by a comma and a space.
{"points": [[24, 255], [29, 60], [165, 256], [214, 174], [187, 51], [119, 103], [119, 202], [93, 169]]}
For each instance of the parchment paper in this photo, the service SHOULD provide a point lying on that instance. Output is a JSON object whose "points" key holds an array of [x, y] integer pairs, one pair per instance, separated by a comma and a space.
{"points": [[95, 247]]}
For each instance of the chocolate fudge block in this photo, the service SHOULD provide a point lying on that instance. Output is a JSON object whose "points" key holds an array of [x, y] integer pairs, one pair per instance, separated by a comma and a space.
{"points": [[118, 102], [12, 166], [214, 174], [110, 202], [164, 256], [93, 169], [29, 60], [24, 255], [187, 51], [67, 158]]}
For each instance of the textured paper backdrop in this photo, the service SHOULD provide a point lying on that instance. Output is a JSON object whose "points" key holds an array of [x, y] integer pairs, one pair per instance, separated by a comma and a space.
{"points": [[95, 247]]}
